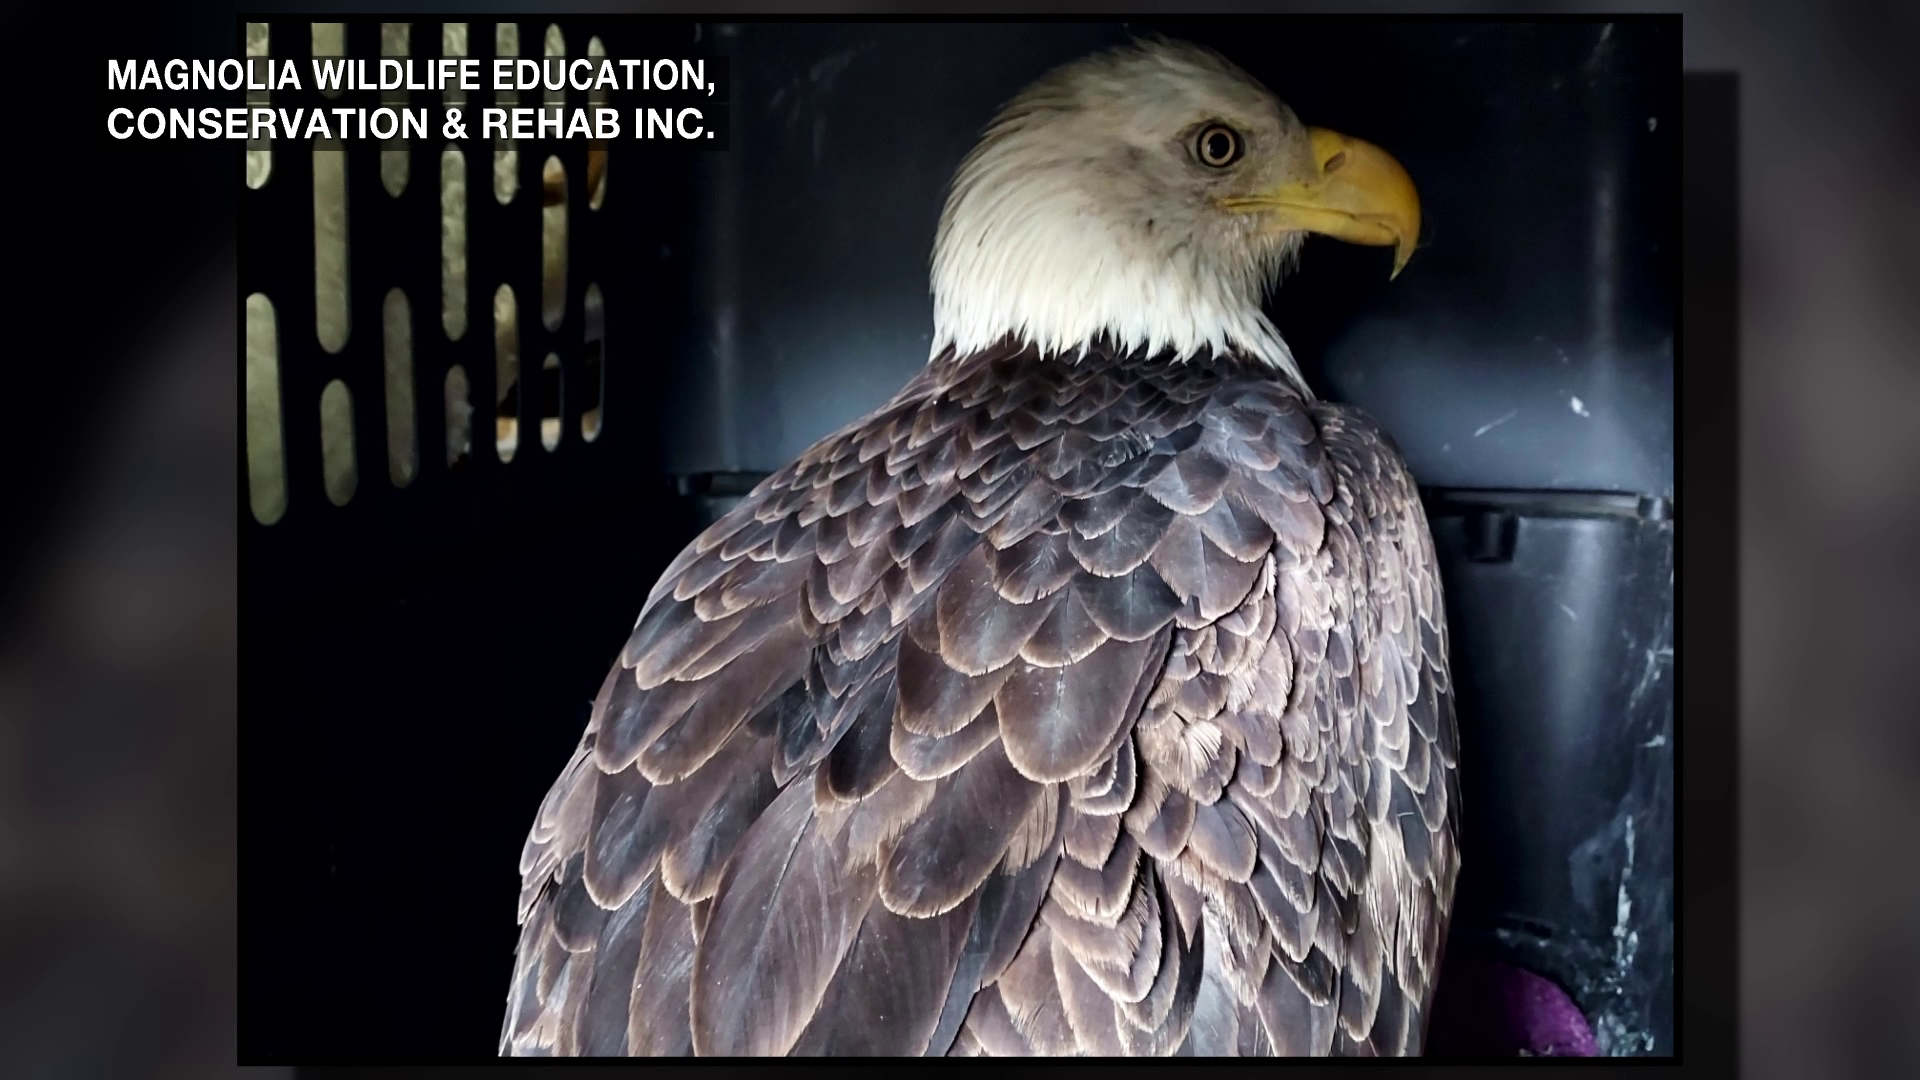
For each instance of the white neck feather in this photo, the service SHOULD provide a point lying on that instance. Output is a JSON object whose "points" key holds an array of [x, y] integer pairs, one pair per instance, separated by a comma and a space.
{"points": [[1024, 252]]}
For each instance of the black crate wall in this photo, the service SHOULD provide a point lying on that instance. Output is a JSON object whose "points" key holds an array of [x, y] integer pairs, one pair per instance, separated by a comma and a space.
{"points": [[393, 241], [418, 661], [417, 657]]}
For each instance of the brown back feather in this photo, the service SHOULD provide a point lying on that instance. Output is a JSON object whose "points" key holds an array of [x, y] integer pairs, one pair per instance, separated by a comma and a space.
{"points": [[1055, 707]]}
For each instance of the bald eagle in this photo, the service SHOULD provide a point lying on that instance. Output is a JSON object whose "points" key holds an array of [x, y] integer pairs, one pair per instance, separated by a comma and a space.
{"points": [[1089, 697]]}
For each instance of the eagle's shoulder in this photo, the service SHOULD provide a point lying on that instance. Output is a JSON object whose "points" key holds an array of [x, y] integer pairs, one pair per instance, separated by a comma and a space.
{"points": [[966, 716]]}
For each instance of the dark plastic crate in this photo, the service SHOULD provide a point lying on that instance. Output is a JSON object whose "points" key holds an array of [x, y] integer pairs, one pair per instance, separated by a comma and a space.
{"points": [[418, 661]]}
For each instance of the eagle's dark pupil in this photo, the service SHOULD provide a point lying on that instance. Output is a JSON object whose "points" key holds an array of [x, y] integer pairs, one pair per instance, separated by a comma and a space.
{"points": [[1219, 146]]}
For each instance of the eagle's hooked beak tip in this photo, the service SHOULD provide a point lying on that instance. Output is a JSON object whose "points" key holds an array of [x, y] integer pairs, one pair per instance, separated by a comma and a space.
{"points": [[1402, 252], [1358, 194]]}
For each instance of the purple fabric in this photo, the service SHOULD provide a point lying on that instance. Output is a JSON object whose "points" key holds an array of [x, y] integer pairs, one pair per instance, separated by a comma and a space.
{"points": [[1485, 1008]]}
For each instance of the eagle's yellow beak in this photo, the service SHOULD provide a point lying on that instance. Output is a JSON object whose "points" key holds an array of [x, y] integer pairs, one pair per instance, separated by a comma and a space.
{"points": [[1358, 193]]}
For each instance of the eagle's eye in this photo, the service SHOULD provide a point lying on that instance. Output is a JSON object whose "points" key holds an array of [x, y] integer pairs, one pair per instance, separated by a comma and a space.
{"points": [[1218, 146]]}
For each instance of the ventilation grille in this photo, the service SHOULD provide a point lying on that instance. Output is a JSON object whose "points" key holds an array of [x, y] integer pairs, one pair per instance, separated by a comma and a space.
{"points": [[345, 362], [427, 364]]}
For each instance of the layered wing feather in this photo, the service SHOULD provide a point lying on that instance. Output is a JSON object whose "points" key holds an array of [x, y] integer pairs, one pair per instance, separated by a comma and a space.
{"points": [[1093, 707]]}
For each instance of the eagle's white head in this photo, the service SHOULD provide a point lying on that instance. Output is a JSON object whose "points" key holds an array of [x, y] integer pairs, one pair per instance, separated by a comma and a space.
{"points": [[1150, 197]]}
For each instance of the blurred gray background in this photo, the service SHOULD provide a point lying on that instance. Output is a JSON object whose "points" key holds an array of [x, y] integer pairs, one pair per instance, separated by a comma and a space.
{"points": [[118, 648]]}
